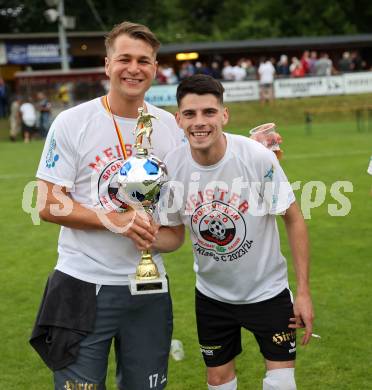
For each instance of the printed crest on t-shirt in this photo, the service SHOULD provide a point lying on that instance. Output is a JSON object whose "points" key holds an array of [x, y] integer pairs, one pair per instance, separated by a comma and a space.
{"points": [[221, 231], [108, 186], [106, 167]]}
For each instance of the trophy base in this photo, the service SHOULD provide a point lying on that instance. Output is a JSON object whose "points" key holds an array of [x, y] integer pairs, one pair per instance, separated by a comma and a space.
{"points": [[152, 286]]}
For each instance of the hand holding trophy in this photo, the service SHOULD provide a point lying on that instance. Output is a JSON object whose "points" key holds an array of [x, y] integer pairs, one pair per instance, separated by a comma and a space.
{"points": [[140, 180]]}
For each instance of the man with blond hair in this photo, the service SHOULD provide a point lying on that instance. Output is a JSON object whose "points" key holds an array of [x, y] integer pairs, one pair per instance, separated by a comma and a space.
{"points": [[87, 302]]}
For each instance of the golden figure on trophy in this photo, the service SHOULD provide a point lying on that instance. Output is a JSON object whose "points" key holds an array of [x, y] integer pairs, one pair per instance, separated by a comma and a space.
{"points": [[143, 128]]}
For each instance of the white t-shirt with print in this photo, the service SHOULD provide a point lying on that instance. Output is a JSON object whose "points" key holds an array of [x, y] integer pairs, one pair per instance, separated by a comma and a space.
{"points": [[82, 153], [230, 210]]}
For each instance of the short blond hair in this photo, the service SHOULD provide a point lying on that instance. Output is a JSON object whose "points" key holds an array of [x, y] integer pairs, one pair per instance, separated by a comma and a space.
{"points": [[132, 30]]}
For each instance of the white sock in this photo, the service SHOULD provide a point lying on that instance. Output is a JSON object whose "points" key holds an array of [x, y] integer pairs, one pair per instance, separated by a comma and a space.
{"points": [[279, 379], [232, 385]]}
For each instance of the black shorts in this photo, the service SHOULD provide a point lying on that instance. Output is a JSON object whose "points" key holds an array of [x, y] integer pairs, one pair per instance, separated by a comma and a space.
{"points": [[219, 326], [28, 129]]}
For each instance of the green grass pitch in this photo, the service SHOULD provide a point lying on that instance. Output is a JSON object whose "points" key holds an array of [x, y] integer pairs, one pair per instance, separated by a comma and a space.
{"points": [[341, 250]]}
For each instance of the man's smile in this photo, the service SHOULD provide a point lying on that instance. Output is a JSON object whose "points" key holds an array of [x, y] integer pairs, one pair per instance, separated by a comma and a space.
{"points": [[200, 134], [133, 81]]}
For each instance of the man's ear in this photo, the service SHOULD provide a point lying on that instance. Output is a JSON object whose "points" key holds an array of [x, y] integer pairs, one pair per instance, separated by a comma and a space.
{"points": [[177, 116], [225, 116], [156, 68], [107, 62]]}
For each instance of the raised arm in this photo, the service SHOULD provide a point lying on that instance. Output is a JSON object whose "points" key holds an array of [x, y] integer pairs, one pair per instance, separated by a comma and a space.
{"points": [[299, 244]]}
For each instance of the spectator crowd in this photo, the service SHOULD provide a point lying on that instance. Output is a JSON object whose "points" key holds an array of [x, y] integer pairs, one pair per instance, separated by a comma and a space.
{"points": [[311, 63], [31, 117]]}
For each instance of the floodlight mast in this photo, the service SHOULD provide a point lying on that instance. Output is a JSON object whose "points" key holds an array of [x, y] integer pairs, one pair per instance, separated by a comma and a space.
{"points": [[62, 36], [52, 15]]}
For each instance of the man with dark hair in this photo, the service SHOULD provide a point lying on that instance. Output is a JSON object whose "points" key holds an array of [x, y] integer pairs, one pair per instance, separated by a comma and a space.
{"points": [[204, 86], [87, 303], [229, 191]]}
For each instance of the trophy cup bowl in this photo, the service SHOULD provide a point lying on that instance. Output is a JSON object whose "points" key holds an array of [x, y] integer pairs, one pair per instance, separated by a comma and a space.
{"points": [[140, 180]]}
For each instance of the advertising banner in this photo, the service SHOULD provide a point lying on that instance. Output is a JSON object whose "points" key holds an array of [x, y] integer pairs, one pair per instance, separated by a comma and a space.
{"points": [[33, 54], [162, 95], [309, 86], [238, 91], [358, 82], [241, 91]]}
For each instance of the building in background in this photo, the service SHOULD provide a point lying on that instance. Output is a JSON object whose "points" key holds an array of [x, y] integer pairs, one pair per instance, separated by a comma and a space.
{"points": [[37, 57]]}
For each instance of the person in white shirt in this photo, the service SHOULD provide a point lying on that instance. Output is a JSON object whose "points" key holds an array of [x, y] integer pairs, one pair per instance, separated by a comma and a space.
{"points": [[228, 71], [28, 117], [266, 73], [97, 246], [239, 72], [228, 190]]}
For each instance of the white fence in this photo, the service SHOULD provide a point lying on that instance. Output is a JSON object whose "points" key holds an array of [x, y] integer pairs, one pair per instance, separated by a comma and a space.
{"points": [[240, 91]]}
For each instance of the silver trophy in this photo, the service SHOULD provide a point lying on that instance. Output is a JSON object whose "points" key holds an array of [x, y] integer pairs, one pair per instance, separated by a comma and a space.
{"points": [[140, 180]]}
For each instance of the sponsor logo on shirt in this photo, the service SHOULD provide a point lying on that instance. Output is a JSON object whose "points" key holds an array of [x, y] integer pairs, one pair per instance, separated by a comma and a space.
{"points": [[108, 186], [52, 157], [106, 167]]}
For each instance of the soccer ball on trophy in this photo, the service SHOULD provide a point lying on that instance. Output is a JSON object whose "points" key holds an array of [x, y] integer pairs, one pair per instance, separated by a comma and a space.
{"points": [[140, 180]]}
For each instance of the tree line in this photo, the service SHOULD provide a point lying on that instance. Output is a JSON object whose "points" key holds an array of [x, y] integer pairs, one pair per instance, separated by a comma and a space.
{"points": [[200, 20]]}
